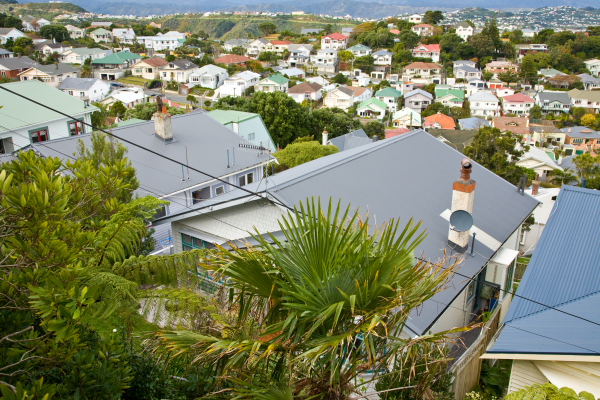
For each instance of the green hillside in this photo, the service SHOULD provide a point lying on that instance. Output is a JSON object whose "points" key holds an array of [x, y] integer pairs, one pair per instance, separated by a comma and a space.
{"points": [[41, 10]]}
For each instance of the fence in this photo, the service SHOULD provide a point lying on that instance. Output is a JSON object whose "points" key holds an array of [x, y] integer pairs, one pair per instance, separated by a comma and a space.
{"points": [[467, 368]]}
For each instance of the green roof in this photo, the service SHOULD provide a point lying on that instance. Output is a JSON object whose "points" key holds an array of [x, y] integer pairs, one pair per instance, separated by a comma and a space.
{"points": [[359, 47], [373, 101], [228, 116], [117, 58], [17, 112], [388, 92], [131, 121], [84, 51], [101, 31], [454, 92], [278, 79]]}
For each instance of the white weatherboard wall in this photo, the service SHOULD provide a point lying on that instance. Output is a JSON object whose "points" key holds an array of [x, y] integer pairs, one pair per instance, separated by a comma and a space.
{"points": [[524, 373]]}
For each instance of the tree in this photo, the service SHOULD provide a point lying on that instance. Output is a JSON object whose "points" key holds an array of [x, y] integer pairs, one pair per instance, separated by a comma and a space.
{"points": [[588, 120], [450, 42], [498, 152], [375, 129], [548, 391], [433, 17], [578, 113], [434, 108], [409, 39], [587, 166], [192, 99], [488, 75], [516, 36], [24, 41], [535, 112], [483, 44], [118, 109], [529, 70], [326, 295], [145, 111], [170, 58], [508, 77], [564, 177], [301, 152], [8, 21], [345, 56], [267, 28], [57, 32]]}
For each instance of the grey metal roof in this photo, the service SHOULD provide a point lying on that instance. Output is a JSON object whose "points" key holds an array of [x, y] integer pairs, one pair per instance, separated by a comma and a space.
{"points": [[392, 179], [183, 64], [14, 63], [205, 139], [561, 97], [587, 78], [4, 51], [4, 158], [563, 273], [77, 83], [345, 90], [382, 53], [581, 132], [310, 30], [56, 69], [351, 140], [467, 68], [418, 91], [6, 31]]}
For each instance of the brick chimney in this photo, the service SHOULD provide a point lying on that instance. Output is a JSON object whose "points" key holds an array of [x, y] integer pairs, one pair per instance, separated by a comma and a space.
{"points": [[162, 122], [325, 137], [463, 195], [535, 185]]}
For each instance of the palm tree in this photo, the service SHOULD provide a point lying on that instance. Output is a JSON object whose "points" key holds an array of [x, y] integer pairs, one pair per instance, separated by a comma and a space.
{"points": [[318, 308], [565, 177]]}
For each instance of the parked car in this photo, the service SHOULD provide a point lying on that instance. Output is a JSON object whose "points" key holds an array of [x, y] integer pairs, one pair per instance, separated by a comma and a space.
{"points": [[115, 84]]}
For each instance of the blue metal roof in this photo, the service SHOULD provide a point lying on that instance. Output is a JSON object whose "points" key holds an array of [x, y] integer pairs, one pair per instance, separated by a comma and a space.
{"points": [[564, 273]]}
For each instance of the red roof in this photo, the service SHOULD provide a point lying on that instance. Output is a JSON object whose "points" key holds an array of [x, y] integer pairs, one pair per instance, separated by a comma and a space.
{"points": [[280, 42], [231, 59], [518, 98], [395, 31], [443, 120], [336, 36], [390, 133], [428, 47]]}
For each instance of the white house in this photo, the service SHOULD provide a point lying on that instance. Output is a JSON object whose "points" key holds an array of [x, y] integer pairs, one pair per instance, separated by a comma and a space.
{"points": [[229, 45], [360, 50], [422, 72], [427, 51], [23, 122], [273, 83], [483, 103], [256, 47], [50, 74], [237, 84], [249, 126], [209, 76], [178, 70], [306, 91], [148, 68], [87, 89], [390, 97], [299, 54], [33, 24], [335, 41], [124, 35], [345, 96], [75, 32], [10, 33], [589, 99], [593, 66], [415, 18], [168, 41], [547, 198], [423, 29], [80, 54], [101, 35], [372, 108], [467, 73], [464, 30], [519, 104], [130, 97], [538, 160], [382, 57], [324, 62], [406, 118]]}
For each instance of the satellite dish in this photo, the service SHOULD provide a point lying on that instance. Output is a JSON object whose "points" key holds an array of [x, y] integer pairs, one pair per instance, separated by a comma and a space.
{"points": [[461, 220]]}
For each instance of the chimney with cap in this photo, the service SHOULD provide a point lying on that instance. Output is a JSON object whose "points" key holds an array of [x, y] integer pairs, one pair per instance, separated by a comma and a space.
{"points": [[325, 137], [162, 121], [463, 195], [535, 185]]}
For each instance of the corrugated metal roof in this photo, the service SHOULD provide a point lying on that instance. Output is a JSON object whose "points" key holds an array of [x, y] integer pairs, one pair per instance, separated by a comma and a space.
{"points": [[563, 273], [413, 186], [351, 140]]}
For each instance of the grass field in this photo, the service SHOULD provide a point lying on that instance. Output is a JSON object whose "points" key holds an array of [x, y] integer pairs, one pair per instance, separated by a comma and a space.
{"points": [[134, 80]]}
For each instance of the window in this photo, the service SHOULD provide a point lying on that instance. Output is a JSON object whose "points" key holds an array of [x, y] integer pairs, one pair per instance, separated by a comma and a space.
{"points": [[191, 243], [251, 136], [509, 277], [82, 94], [6, 146], [162, 212], [39, 135], [470, 291], [76, 128], [219, 190], [246, 179]]}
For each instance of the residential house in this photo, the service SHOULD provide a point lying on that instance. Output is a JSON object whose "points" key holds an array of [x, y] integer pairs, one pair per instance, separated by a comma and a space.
{"points": [[324, 62], [485, 104], [52, 74], [593, 66], [232, 43], [206, 140], [587, 99], [273, 83], [361, 93], [550, 72], [545, 134], [208, 76], [306, 91], [256, 47], [335, 41], [80, 54], [439, 121], [6, 54], [418, 100], [350, 140], [553, 102], [318, 79], [33, 24], [177, 71], [450, 97], [423, 29], [340, 97], [500, 67], [421, 72], [130, 97], [105, 24], [87, 89], [10, 33], [278, 46], [467, 73], [531, 48], [464, 30], [476, 84], [231, 59], [415, 18], [124, 35], [463, 63], [292, 72], [372, 108], [455, 138], [23, 122], [327, 178], [550, 331], [538, 160], [382, 58], [518, 125], [431, 51], [168, 41], [148, 68], [360, 50], [299, 54], [503, 92], [519, 104], [101, 35], [237, 84], [75, 32], [390, 97], [473, 123], [113, 67], [547, 198], [582, 138], [49, 47], [406, 118], [12, 67], [248, 125], [589, 82]]}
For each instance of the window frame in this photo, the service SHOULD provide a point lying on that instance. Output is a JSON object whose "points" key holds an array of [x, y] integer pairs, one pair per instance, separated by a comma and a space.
{"points": [[217, 190], [77, 122], [37, 130], [193, 245]]}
